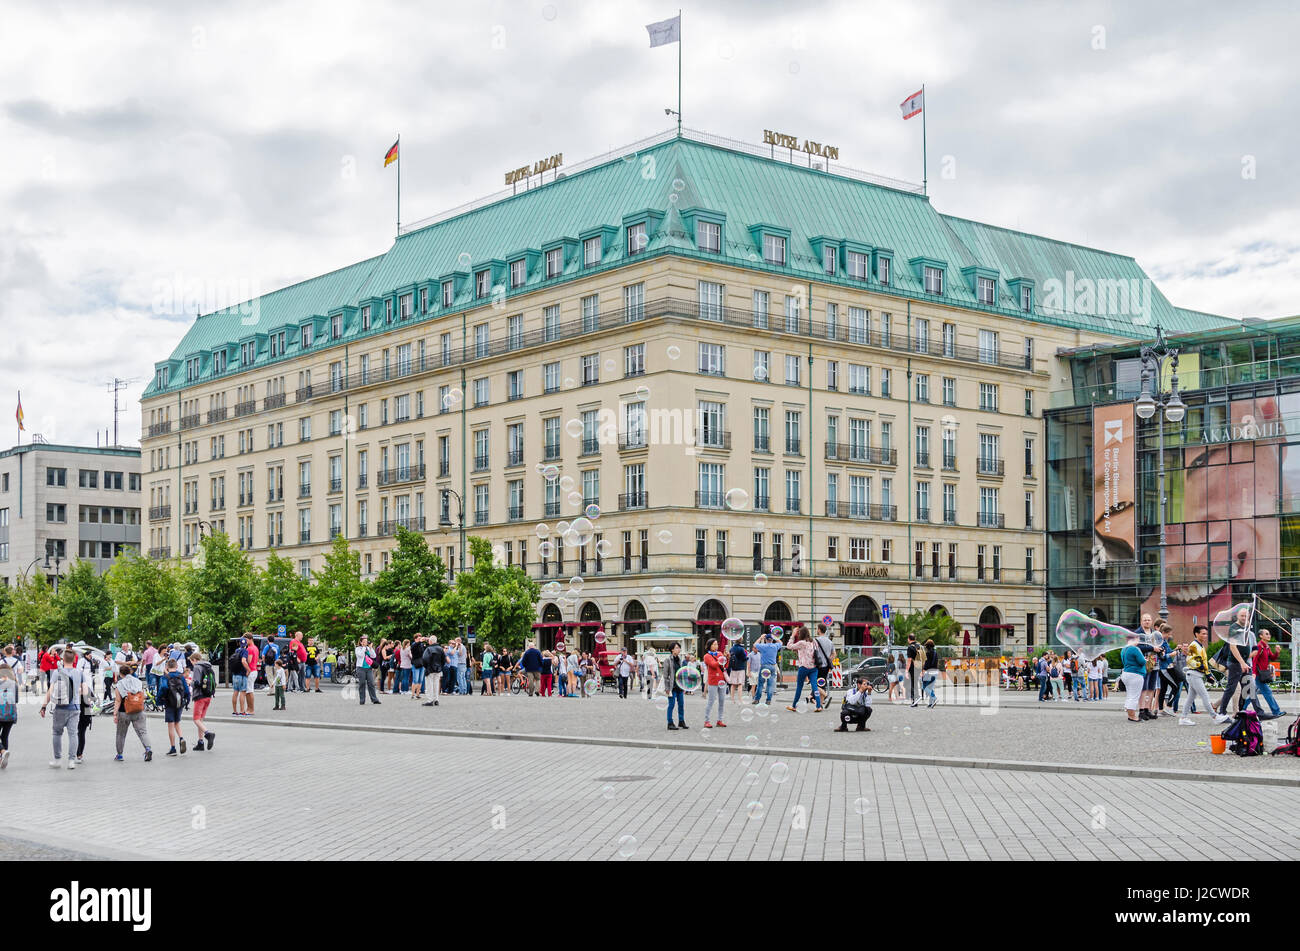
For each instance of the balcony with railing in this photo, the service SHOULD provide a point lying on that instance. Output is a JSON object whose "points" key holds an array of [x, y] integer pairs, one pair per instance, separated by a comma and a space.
{"points": [[304, 536], [304, 489], [991, 466], [481, 463], [922, 459], [216, 415], [158, 513], [160, 429], [762, 442], [363, 480], [390, 527], [514, 457], [275, 401], [218, 504], [190, 420], [336, 484], [303, 393], [399, 474], [922, 515], [159, 553], [863, 511], [793, 507], [793, 447], [992, 520], [551, 452], [633, 440], [444, 468], [762, 503], [590, 446], [551, 509], [950, 463], [481, 517], [950, 516], [246, 408], [515, 513], [709, 500], [633, 500], [856, 452], [713, 439]]}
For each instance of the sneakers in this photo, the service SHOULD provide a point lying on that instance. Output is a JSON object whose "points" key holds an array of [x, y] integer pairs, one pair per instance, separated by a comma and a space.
{"points": [[719, 723], [210, 737], [1185, 721], [198, 747], [933, 701], [670, 726], [72, 764], [1165, 713], [792, 709], [1221, 718], [148, 755], [429, 703], [182, 741], [172, 751], [4, 759], [708, 725], [80, 761], [119, 758], [55, 764]]}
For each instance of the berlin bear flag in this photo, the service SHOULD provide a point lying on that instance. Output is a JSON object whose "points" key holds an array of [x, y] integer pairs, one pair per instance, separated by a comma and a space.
{"points": [[913, 104]]}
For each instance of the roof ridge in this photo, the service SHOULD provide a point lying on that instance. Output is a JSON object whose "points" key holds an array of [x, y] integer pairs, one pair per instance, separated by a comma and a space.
{"points": [[229, 308], [1035, 234]]}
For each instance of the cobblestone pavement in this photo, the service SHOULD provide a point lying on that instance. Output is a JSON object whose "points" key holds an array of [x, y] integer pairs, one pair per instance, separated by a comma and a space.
{"points": [[524, 799], [1011, 727]]}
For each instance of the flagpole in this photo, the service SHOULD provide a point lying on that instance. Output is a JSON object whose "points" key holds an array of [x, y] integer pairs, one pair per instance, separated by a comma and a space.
{"points": [[399, 184], [679, 73], [925, 184]]}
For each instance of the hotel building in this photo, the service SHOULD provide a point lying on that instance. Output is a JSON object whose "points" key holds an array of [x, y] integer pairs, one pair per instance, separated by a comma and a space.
{"points": [[792, 392]]}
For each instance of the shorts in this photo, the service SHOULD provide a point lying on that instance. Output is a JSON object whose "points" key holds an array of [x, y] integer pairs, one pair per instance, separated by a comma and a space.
{"points": [[171, 716], [201, 707], [1151, 681], [417, 676], [312, 671], [239, 683], [736, 678]]}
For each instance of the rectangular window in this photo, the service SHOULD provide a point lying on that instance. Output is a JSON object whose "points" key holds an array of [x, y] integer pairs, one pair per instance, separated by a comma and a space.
{"points": [[832, 374], [933, 280], [551, 322], [985, 290], [856, 263], [448, 293], [634, 360], [792, 370], [515, 332], [633, 302], [712, 359], [636, 238], [989, 397], [591, 249], [1026, 299], [949, 391], [828, 259], [859, 325], [550, 377], [793, 432], [761, 301], [711, 298], [882, 270], [762, 366], [923, 387], [949, 340], [590, 363], [708, 236], [590, 313], [405, 305], [886, 381], [988, 349], [791, 314], [774, 249], [762, 434], [518, 273]]}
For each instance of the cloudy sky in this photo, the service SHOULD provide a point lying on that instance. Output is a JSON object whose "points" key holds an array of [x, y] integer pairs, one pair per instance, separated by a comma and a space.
{"points": [[155, 152]]}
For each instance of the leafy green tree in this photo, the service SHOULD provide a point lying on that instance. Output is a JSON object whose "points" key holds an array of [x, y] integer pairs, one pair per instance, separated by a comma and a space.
{"points": [[337, 601], [31, 612], [219, 590], [281, 597], [498, 601], [149, 598], [84, 605], [401, 598], [940, 628]]}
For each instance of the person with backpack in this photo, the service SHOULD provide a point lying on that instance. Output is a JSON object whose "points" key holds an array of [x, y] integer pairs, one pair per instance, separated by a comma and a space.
{"points": [[418, 647], [1262, 665], [435, 659], [205, 688], [68, 685], [1235, 655], [737, 664], [806, 668], [270, 654], [239, 683], [824, 658], [930, 672], [175, 698], [128, 711], [915, 662], [8, 704]]}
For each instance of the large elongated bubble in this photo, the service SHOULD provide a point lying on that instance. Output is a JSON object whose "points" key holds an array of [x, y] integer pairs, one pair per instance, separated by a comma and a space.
{"points": [[1090, 638], [1228, 625]]}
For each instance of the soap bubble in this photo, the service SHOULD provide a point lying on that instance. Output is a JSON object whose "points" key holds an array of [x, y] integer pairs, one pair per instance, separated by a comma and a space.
{"points": [[779, 773], [543, 530], [609, 366], [590, 686], [452, 397], [674, 351], [607, 791], [550, 473], [1089, 638], [747, 715], [575, 583], [760, 579], [660, 702], [600, 637], [551, 589], [592, 511], [665, 537], [907, 731], [760, 372], [658, 595], [751, 779], [751, 741], [733, 629], [688, 679], [1226, 629], [545, 550], [805, 741], [568, 382], [862, 805], [737, 498], [574, 428], [754, 810], [463, 260], [574, 498], [627, 846], [604, 548], [566, 483], [643, 392]]}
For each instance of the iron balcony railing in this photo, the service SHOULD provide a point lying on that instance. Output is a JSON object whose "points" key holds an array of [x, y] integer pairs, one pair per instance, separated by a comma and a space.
{"points": [[590, 446], [551, 509], [390, 527], [551, 452], [862, 510], [992, 520], [275, 401], [633, 500], [713, 439], [515, 512], [159, 553], [762, 443], [336, 485], [480, 463], [515, 457], [159, 512], [708, 500], [922, 459], [304, 489], [160, 429], [856, 452], [216, 415], [633, 440], [190, 420], [988, 465], [399, 474], [762, 503], [246, 408]]}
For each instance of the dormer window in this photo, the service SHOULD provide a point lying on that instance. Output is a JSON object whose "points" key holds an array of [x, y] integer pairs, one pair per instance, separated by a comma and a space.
{"points": [[279, 342], [828, 260], [985, 290], [774, 249], [365, 322], [636, 238], [247, 353], [447, 293], [218, 361], [482, 283], [708, 236], [882, 269], [306, 336], [933, 280], [405, 303], [591, 252], [192, 369], [424, 300], [388, 311], [857, 265], [518, 273], [554, 262], [1026, 298], [336, 326]]}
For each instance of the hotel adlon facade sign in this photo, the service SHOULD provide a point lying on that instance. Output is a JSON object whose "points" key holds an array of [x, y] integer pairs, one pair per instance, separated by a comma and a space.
{"points": [[541, 165], [783, 141]]}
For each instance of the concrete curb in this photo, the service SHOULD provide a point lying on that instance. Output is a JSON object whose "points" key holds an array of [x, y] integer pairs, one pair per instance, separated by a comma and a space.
{"points": [[83, 851], [897, 759]]}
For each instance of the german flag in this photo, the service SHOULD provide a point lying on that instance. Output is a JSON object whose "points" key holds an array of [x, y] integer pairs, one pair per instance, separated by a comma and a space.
{"points": [[391, 157]]}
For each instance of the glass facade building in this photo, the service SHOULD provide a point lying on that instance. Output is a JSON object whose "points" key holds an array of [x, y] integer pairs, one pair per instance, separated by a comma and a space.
{"points": [[1232, 470]]}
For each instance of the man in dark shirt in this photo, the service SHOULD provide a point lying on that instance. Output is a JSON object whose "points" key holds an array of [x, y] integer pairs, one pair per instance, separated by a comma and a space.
{"points": [[531, 663], [913, 673], [435, 659]]}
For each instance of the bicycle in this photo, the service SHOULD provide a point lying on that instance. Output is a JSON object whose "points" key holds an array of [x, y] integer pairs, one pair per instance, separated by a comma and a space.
{"points": [[518, 682]]}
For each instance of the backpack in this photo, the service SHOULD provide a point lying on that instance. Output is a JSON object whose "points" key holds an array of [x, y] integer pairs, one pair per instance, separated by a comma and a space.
{"points": [[238, 661], [175, 693], [1291, 747], [920, 655], [8, 701], [1243, 735], [205, 680], [133, 702]]}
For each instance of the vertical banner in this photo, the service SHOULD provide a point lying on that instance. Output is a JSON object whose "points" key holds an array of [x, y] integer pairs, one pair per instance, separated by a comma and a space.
{"points": [[1114, 493]]}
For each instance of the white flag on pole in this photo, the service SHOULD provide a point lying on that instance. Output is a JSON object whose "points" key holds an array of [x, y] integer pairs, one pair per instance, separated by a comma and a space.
{"points": [[665, 31], [912, 104]]}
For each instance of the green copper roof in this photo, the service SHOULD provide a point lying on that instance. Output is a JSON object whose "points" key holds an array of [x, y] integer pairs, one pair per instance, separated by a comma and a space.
{"points": [[666, 185]]}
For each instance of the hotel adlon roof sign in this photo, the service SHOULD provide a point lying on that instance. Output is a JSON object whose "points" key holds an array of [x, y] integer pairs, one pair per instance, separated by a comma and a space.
{"points": [[541, 165], [783, 141]]}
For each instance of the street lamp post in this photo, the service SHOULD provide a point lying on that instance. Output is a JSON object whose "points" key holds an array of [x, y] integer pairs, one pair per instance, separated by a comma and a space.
{"points": [[1149, 401], [444, 519]]}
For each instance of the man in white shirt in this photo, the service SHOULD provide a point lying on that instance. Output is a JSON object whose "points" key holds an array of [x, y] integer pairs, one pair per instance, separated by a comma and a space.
{"points": [[856, 707]]}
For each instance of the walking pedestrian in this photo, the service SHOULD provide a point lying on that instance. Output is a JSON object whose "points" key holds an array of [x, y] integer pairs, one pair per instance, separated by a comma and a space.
{"points": [[824, 658], [915, 661], [930, 672], [435, 660], [673, 664], [204, 689], [366, 656], [128, 712], [67, 686], [175, 698], [806, 668], [1198, 666], [715, 671], [1262, 666], [1236, 657], [1133, 677], [8, 704]]}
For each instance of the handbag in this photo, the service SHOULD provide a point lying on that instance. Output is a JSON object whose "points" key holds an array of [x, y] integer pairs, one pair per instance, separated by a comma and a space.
{"points": [[1265, 676]]}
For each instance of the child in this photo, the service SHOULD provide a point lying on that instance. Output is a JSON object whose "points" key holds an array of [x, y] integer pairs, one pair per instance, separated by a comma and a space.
{"points": [[205, 688], [279, 678], [856, 707], [175, 698]]}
